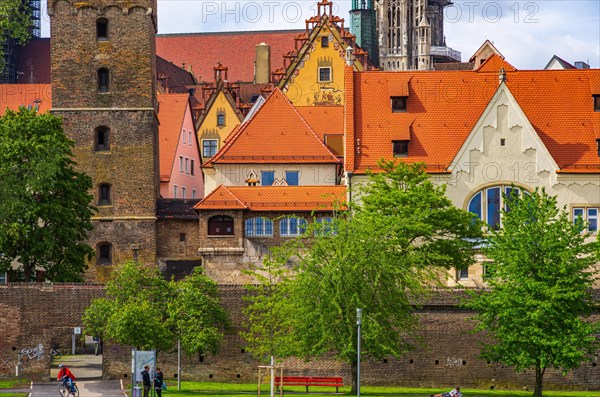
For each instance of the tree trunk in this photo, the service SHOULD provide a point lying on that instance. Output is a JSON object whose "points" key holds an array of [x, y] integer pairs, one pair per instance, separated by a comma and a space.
{"points": [[539, 376], [27, 273], [353, 371]]}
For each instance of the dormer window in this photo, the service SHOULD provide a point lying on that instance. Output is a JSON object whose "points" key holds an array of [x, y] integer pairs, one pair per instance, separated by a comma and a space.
{"points": [[324, 41], [598, 146], [400, 148], [596, 102], [398, 104], [103, 80], [102, 29]]}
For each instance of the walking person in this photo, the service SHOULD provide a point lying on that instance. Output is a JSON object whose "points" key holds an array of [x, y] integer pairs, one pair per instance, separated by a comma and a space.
{"points": [[158, 382], [146, 380]]}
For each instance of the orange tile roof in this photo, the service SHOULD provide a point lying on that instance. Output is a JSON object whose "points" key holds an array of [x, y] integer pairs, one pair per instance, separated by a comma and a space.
{"points": [[14, 95], [275, 198], [237, 50], [276, 133], [494, 63], [171, 112], [323, 120], [444, 106]]}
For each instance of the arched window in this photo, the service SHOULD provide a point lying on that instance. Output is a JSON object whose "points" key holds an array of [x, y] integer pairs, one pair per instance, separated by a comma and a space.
{"points": [[324, 226], [103, 80], [487, 203], [292, 226], [102, 139], [259, 227], [220, 225], [102, 29], [104, 194], [104, 253]]}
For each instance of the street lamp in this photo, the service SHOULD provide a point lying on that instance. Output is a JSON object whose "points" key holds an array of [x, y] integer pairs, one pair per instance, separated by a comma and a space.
{"points": [[358, 323]]}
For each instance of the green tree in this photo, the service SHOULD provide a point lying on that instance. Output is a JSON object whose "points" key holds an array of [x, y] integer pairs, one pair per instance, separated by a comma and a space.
{"points": [[45, 205], [381, 256], [15, 23], [540, 289], [144, 310]]}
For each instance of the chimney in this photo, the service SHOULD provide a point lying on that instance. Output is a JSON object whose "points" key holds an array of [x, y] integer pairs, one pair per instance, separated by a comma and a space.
{"points": [[262, 66], [501, 76]]}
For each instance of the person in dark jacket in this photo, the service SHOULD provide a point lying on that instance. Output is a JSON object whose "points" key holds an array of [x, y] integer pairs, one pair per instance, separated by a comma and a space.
{"points": [[146, 380], [158, 382]]}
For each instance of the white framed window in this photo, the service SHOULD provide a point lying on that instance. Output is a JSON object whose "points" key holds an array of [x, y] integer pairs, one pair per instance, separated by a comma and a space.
{"points": [[180, 163], [193, 193], [462, 274], [325, 74], [183, 135], [183, 191], [589, 215], [487, 203], [190, 137], [325, 227], [174, 191], [258, 227], [292, 226], [192, 166], [209, 147], [187, 165]]}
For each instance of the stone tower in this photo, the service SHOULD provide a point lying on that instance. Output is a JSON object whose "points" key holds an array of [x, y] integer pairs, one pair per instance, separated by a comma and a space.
{"points": [[411, 34], [363, 26], [103, 86]]}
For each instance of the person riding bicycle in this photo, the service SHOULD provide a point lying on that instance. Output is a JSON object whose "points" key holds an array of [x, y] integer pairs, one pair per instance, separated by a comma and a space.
{"points": [[65, 375]]}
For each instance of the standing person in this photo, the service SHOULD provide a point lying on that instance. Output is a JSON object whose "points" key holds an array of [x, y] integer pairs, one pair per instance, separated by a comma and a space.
{"points": [[96, 345], [158, 382], [65, 374], [146, 380]]}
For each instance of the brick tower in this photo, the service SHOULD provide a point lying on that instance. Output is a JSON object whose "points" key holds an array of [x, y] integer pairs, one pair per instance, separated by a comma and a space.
{"points": [[103, 86]]}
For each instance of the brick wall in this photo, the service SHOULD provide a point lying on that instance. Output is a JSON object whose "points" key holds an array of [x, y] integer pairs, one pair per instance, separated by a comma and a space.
{"points": [[36, 313], [40, 313]]}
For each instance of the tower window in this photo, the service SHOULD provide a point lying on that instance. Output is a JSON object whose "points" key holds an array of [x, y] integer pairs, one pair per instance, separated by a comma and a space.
{"points": [[102, 139], [325, 74], [221, 119], [400, 148], [103, 80], [104, 194], [102, 29], [398, 104], [324, 41], [104, 254], [596, 102]]}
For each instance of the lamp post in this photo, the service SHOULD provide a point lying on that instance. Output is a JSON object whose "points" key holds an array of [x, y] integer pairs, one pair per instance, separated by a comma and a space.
{"points": [[358, 324]]}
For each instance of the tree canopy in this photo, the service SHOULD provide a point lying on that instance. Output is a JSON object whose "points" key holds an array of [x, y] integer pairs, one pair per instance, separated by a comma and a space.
{"points": [[380, 256], [540, 282], [144, 310], [45, 204], [15, 23]]}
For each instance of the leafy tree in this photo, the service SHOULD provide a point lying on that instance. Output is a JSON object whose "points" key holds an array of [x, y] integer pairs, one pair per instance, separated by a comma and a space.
{"points": [[540, 289], [45, 205], [380, 257], [144, 310], [14, 23]]}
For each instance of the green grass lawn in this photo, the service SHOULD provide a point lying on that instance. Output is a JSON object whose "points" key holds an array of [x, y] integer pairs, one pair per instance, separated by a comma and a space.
{"points": [[212, 389], [13, 384]]}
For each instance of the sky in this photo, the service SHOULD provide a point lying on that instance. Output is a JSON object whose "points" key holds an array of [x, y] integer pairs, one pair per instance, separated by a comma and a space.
{"points": [[527, 33]]}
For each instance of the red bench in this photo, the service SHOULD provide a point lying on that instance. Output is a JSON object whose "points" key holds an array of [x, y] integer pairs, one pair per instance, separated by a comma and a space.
{"points": [[309, 381]]}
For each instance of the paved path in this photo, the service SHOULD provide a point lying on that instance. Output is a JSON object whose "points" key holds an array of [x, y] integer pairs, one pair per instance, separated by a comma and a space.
{"points": [[87, 388], [83, 366]]}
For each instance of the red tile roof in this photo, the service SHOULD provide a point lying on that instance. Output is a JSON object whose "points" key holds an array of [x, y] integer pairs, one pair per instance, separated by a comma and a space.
{"points": [[171, 115], [323, 120], [443, 107], [276, 133], [494, 63], [14, 95], [275, 198], [237, 50]]}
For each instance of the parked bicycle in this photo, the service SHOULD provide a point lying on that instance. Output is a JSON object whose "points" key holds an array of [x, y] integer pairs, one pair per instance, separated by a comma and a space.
{"points": [[55, 353], [66, 391]]}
